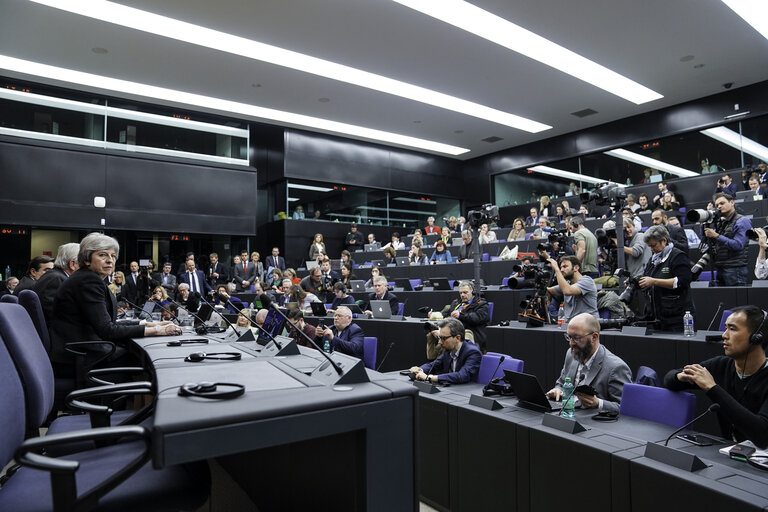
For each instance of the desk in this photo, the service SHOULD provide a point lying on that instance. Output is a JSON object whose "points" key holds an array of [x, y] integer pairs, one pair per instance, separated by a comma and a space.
{"points": [[338, 445]]}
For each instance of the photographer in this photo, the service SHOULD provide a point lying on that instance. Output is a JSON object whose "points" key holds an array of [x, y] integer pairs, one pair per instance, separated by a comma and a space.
{"points": [[579, 291], [635, 249], [761, 266], [585, 247], [725, 185], [668, 275], [730, 241]]}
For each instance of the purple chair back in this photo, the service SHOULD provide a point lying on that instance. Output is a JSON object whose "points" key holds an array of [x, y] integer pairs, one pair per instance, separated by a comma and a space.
{"points": [[415, 283], [12, 405], [31, 302], [401, 308], [370, 345], [490, 362], [657, 404], [9, 298], [490, 312], [32, 363], [723, 318]]}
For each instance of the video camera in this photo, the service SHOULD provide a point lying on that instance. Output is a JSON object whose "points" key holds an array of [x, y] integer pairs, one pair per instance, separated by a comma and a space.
{"points": [[557, 236], [752, 234], [485, 215], [605, 194], [534, 276]]}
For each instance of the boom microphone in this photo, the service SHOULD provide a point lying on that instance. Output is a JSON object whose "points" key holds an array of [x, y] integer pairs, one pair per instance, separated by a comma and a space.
{"points": [[712, 408]]}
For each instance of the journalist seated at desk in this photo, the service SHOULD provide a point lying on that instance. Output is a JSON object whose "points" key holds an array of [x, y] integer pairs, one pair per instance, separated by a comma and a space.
{"points": [[460, 361], [472, 311], [589, 363], [381, 292], [344, 336], [738, 380]]}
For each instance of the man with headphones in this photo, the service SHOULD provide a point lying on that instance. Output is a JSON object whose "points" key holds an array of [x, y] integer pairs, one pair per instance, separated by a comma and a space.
{"points": [[737, 381]]}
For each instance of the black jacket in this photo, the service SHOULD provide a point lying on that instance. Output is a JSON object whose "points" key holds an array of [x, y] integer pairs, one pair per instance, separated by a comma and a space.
{"points": [[670, 305], [474, 317]]}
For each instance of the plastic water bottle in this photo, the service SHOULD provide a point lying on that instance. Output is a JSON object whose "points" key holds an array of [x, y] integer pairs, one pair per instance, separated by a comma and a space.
{"points": [[688, 324], [561, 317], [570, 404], [327, 346]]}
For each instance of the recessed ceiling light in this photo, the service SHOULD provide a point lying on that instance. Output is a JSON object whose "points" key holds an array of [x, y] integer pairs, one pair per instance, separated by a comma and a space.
{"points": [[505, 33], [323, 100], [99, 51], [194, 34], [650, 162], [754, 12], [207, 102], [733, 139], [686, 58]]}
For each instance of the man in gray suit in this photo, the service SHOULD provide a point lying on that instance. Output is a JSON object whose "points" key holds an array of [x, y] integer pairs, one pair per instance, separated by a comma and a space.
{"points": [[165, 278], [245, 272], [598, 366]]}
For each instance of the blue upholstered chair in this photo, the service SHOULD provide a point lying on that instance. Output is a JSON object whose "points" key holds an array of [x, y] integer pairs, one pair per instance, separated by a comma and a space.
{"points": [[726, 314], [490, 362], [673, 408], [370, 346], [9, 298]]}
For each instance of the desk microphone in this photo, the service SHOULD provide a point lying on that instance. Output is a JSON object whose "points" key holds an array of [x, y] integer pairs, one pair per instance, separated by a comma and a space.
{"points": [[581, 379], [134, 306], [712, 408], [719, 307], [501, 360], [229, 324], [201, 329], [385, 355]]}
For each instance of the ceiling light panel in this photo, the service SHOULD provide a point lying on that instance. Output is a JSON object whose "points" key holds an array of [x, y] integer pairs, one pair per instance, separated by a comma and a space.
{"points": [[733, 139], [514, 37], [754, 12], [194, 34], [552, 171], [650, 162]]}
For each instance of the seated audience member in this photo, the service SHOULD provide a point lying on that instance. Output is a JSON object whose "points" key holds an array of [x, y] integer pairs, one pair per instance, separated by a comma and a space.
{"points": [[37, 267], [389, 256], [431, 228], [186, 299], [579, 291], [604, 371], [753, 184], [631, 204], [663, 189], [313, 283], [676, 233], [643, 204], [461, 224], [395, 243], [9, 285], [627, 213], [341, 297], [291, 274], [533, 219], [261, 317], [453, 223], [317, 247], [48, 284], [486, 236], [381, 292], [417, 238], [275, 278], [84, 309], [559, 213], [302, 298], [761, 268], [544, 207], [466, 251], [347, 274], [371, 238], [445, 235], [244, 323], [441, 254], [346, 257], [282, 294], [298, 213], [567, 208], [344, 336], [583, 211], [738, 380], [669, 203], [460, 360], [297, 324], [706, 168], [170, 313], [472, 311], [160, 298], [518, 230], [354, 240], [416, 256], [543, 230], [725, 185], [375, 272], [233, 304]]}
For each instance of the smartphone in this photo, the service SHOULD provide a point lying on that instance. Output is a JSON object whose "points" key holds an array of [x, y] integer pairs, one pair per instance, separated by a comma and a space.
{"points": [[585, 389], [741, 452], [696, 439]]}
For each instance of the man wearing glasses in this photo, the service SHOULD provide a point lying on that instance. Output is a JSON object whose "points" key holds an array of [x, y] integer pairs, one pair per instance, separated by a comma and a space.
{"points": [[460, 361], [588, 363]]}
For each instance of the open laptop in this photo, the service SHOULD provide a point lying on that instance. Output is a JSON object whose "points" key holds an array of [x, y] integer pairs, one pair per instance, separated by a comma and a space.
{"points": [[529, 393], [457, 242], [375, 246], [402, 261], [403, 283], [147, 309], [357, 285], [381, 309], [318, 309], [748, 195], [440, 283]]}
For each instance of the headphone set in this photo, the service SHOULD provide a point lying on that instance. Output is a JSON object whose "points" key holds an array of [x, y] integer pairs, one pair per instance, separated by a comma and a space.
{"points": [[178, 343], [196, 357], [211, 390], [756, 338]]}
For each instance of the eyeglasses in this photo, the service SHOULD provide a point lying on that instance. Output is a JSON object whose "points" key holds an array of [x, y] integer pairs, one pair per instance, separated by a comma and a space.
{"points": [[443, 338], [577, 337]]}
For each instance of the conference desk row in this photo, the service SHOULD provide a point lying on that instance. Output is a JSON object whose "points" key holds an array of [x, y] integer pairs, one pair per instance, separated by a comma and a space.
{"points": [[292, 441]]}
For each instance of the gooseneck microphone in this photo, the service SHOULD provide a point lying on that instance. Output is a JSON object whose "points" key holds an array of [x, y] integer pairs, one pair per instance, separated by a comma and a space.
{"points": [[392, 344], [501, 360], [134, 306], [573, 391], [229, 324], [714, 317], [712, 408], [267, 303]]}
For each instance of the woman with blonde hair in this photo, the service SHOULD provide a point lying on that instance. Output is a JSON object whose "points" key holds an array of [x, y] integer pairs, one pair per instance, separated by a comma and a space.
{"points": [[518, 230], [116, 286], [544, 206], [317, 247], [256, 260]]}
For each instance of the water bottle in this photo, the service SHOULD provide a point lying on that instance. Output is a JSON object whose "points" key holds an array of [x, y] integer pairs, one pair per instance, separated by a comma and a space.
{"points": [[688, 324], [327, 346], [561, 317], [568, 392]]}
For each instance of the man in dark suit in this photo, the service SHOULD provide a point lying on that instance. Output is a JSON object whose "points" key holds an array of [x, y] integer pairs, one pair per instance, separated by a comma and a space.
{"points": [[676, 233], [244, 272], [469, 309], [47, 286], [131, 285], [37, 268], [380, 292], [328, 278], [344, 336], [601, 369], [195, 279], [460, 361], [217, 272], [275, 260], [10, 283], [183, 266], [354, 239], [165, 278]]}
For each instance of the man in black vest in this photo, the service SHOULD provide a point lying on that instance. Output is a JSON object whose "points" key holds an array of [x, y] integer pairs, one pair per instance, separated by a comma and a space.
{"points": [[730, 241]]}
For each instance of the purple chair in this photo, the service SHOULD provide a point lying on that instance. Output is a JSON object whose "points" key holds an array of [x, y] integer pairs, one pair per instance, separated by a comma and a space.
{"points": [[415, 283], [9, 298], [30, 301], [490, 362], [486, 256], [370, 346], [490, 312], [726, 314], [505, 281], [673, 408], [401, 308]]}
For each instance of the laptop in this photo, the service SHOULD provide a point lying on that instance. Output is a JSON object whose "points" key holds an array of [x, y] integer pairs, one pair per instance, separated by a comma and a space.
{"points": [[318, 309], [529, 393], [458, 242], [147, 309], [403, 283], [375, 246], [273, 324], [357, 285], [381, 309], [377, 263], [402, 261], [440, 283], [748, 195]]}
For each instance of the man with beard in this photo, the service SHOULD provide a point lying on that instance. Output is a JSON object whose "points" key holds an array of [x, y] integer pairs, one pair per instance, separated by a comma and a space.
{"points": [[588, 363], [579, 292]]}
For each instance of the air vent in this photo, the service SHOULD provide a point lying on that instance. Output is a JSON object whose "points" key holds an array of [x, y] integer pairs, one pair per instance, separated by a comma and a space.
{"points": [[584, 113], [492, 139]]}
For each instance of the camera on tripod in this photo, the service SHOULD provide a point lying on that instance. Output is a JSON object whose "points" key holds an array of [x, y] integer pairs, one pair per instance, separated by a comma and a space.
{"points": [[606, 194], [557, 236], [484, 215], [710, 219], [533, 276]]}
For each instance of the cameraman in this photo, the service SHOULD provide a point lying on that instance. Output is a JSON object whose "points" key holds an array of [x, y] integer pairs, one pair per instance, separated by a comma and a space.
{"points": [[668, 275], [730, 242], [761, 265], [585, 247], [635, 249], [725, 185], [579, 291]]}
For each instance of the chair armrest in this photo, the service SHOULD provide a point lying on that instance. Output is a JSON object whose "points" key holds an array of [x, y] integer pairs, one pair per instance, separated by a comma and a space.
{"points": [[70, 347], [100, 413], [93, 375]]}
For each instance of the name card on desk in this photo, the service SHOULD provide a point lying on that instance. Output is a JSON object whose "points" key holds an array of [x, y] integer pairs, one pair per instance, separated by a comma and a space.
{"points": [[635, 331]]}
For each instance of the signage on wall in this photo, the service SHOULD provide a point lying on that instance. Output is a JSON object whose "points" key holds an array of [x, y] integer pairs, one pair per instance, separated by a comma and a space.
{"points": [[180, 238], [13, 231]]}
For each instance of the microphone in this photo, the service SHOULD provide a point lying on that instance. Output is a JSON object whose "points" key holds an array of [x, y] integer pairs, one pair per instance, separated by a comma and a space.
{"points": [[385, 355], [501, 360], [712, 408], [187, 310], [267, 303], [581, 379], [229, 324], [719, 307], [134, 306], [173, 317]]}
